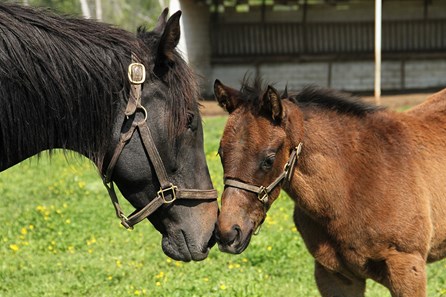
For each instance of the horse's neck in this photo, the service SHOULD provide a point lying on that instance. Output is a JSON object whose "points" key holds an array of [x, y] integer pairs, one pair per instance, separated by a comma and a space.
{"points": [[39, 134], [320, 183]]}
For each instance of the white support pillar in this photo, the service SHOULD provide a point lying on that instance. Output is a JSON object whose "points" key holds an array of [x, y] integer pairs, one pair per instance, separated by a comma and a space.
{"points": [[174, 6], [378, 21]]}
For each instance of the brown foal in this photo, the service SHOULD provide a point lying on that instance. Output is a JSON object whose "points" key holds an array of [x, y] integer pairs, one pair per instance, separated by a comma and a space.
{"points": [[368, 184]]}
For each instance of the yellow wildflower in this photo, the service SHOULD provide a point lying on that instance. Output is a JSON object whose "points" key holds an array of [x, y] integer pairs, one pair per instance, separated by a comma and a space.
{"points": [[91, 241], [160, 275], [14, 247], [81, 184]]}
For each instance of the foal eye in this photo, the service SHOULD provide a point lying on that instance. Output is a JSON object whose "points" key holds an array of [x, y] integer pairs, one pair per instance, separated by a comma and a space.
{"points": [[268, 162]]}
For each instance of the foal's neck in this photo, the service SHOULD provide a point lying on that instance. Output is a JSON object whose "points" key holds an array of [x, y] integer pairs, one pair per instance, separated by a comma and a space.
{"points": [[321, 182]]}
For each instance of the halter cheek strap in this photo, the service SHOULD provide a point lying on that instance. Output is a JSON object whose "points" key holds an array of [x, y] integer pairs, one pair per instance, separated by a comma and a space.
{"points": [[168, 192], [262, 191]]}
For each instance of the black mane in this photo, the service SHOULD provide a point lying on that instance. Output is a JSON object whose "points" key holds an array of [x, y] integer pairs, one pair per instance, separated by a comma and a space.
{"points": [[251, 93], [73, 72], [333, 100]]}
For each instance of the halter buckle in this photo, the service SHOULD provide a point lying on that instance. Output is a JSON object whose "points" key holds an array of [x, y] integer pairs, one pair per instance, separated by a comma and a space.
{"points": [[124, 222], [163, 196], [137, 73], [263, 195]]}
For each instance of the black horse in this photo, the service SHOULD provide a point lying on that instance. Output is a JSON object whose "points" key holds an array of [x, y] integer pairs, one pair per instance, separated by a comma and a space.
{"points": [[64, 83]]}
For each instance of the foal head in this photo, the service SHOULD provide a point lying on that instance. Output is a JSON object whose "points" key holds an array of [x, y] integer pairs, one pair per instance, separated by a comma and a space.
{"points": [[254, 150]]}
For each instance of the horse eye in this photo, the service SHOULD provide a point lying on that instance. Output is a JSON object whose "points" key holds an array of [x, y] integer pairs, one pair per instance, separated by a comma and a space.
{"points": [[191, 124], [268, 162]]}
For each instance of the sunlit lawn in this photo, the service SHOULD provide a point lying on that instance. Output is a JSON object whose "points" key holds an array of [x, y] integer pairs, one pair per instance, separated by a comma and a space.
{"points": [[60, 237]]}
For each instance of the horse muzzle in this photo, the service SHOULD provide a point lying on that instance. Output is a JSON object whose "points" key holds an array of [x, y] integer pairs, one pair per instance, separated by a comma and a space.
{"points": [[180, 249]]}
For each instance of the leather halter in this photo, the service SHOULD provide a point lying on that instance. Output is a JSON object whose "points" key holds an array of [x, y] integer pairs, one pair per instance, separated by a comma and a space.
{"points": [[168, 192], [263, 192]]}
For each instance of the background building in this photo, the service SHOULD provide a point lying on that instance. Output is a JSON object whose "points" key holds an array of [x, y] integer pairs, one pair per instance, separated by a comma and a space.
{"points": [[323, 42]]}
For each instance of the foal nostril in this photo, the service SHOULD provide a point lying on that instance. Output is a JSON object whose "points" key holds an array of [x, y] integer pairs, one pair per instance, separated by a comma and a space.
{"points": [[231, 236], [238, 231]]}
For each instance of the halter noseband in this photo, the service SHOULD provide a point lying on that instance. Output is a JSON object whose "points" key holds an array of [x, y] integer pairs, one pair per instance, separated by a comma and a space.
{"points": [[263, 192], [168, 192]]}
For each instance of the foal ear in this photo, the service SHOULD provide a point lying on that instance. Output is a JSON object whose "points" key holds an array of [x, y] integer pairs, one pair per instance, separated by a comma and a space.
{"points": [[170, 38], [226, 96], [273, 103], [162, 20], [285, 93]]}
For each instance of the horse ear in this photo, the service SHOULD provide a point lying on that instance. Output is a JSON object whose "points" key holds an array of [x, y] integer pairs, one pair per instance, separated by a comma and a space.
{"points": [[170, 38], [162, 20], [226, 96], [273, 102]]}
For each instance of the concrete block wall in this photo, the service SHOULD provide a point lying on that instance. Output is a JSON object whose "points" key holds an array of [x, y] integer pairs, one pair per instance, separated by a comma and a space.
{"points": [[425, 74], [350, 76], [359, 76], [295, 75]]}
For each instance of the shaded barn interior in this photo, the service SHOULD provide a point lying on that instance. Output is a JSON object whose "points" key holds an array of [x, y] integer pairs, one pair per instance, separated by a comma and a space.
{"points": [[323, 42]]}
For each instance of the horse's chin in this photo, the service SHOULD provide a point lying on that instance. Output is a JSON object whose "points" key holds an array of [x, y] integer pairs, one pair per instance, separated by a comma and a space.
{"points": [[179, 249]]}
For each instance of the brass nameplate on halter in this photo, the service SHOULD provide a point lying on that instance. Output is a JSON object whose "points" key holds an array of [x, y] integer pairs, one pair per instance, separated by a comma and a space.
{"points": [[137, 73]]}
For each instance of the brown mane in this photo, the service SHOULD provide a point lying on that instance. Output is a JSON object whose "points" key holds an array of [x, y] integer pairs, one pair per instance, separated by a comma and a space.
{"points": [[251, 92]]}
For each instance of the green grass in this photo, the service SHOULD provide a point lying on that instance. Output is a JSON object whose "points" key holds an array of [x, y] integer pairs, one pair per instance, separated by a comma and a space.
{"points": [[60, 237]]}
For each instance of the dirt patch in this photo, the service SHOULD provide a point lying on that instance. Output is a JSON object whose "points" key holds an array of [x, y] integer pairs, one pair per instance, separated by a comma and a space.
{"points": [[394, 102]]}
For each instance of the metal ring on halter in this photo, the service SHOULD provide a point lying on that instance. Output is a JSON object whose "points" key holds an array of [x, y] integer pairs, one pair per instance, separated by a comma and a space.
{"points": [[144, 111]]}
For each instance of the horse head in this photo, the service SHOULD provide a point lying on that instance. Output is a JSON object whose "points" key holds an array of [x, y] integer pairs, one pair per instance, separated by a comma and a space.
{"points": [[168, 108], [69, 88]]}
